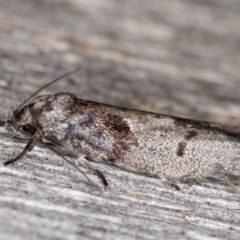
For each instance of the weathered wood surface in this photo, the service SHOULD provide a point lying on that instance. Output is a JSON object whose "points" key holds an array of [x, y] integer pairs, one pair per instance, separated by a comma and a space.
{"points": [[174, 57]]}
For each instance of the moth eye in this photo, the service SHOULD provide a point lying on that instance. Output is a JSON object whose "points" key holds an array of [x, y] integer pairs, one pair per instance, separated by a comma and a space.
{"points": [[28, 128]]}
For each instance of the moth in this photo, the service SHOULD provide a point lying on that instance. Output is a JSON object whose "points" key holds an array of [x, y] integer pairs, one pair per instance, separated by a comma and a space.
{"points": [[170, 148]]}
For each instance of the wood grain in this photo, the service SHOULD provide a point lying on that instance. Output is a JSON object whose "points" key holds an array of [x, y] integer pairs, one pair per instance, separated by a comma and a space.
{"points": [[174, 57]]}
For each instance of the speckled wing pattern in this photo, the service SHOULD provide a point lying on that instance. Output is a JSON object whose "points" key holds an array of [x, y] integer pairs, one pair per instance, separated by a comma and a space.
{"points": [[170, 148]]}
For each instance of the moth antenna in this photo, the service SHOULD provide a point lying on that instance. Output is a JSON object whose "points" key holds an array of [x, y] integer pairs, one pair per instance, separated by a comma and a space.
{"points": [[16, 136], [3, 123], [74, 165], [45, 86]]}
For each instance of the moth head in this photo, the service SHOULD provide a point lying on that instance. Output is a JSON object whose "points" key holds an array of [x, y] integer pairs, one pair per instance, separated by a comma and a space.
{"points": [[22, 123]]}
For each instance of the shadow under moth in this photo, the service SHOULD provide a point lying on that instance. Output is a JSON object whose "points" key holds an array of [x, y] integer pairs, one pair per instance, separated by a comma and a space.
{"points": [[170, 148]]}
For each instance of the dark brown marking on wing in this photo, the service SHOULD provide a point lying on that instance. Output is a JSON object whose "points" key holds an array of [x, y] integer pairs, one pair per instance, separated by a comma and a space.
{"points": [[121, 133], [181, 148], [116, 124]]}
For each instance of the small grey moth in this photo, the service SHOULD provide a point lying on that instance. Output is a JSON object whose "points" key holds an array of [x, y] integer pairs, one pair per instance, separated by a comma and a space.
{"points": [[170, 148]]}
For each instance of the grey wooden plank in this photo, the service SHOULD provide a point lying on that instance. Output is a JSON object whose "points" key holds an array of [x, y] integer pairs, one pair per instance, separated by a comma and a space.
{"points": [[172, 57]]}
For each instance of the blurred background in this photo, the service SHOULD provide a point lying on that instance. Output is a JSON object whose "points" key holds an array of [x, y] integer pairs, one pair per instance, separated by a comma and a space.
{"points": [[177, 57]]}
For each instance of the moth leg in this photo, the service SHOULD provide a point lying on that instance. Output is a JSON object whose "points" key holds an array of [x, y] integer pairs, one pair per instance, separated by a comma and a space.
{"points": [[74, 165], [56, 142], [220, 175], [94, 169], [216, 174], [29, 147], [191, 178], [168, 182]]}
